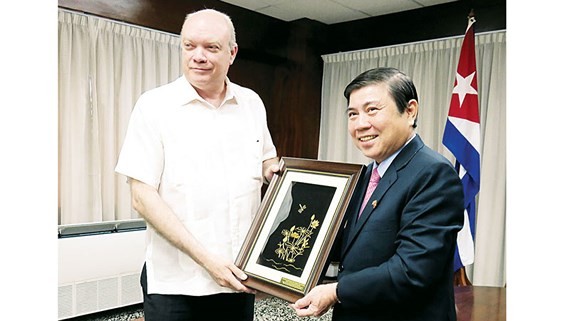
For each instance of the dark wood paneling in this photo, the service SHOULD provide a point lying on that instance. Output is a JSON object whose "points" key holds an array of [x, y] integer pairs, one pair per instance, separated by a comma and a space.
{"points": [[296, 96]]}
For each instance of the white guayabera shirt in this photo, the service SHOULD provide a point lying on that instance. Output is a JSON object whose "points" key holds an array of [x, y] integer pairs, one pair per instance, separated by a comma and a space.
{"points": [[206, 163]]}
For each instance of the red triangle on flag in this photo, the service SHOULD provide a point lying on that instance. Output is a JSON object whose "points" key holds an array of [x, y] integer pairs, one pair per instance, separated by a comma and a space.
{"points": [[464, 99]]}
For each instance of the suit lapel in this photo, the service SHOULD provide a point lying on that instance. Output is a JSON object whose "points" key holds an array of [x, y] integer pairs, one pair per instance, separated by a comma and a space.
{"points": [[383, 186], [389, 178]]}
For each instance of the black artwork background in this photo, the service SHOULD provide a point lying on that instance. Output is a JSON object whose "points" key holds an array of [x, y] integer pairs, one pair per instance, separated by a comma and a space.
{"points": [[317, 199]]}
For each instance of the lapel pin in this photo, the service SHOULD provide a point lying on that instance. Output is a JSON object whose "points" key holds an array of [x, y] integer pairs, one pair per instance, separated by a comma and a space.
{"points": [[374, 203]]}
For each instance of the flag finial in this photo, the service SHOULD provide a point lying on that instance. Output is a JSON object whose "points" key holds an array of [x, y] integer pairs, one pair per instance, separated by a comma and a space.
{"points": [[470, 18]]}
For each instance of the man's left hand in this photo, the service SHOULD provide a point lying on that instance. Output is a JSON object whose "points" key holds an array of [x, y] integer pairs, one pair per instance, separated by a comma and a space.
{"points": [[317, 302]]}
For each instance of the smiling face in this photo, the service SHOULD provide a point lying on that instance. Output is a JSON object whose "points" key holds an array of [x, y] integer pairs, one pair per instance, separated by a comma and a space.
{"points": [[376, 126], [206, 51]]}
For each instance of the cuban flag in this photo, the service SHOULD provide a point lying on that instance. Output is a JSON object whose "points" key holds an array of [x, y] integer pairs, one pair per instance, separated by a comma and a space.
{"points": [[462, 137]]}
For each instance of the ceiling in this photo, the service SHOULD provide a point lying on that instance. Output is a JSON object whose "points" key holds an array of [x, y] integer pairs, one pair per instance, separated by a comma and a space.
{"points": [[331, 11]]}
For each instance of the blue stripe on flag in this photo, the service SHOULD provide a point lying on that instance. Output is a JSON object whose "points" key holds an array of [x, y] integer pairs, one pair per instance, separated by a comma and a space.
{"points": [[468, 157], [463, 151], [470, 188]]}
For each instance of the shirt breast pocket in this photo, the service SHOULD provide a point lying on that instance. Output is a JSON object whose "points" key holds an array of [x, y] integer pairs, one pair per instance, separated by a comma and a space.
{"points": [[247, 160]]}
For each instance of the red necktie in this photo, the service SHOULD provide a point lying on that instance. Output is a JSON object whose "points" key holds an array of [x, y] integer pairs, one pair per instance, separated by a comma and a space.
{"points": [[374, 179]]}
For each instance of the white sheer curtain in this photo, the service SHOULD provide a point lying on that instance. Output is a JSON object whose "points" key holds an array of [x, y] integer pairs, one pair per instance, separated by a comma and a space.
{"points": [[103, 67], [432, 66]]}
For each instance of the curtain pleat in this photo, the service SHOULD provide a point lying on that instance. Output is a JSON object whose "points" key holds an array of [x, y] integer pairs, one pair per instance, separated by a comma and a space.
{"points": [[104, 66]]}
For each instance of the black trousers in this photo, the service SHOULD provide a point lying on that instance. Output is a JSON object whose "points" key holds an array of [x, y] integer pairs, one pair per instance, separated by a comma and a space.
{"points": [[222, 306]]}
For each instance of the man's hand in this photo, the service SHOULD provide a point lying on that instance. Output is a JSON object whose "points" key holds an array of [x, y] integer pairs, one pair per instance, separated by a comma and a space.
{"points": [[270, 168], [226, 274], [157, 213], [317, 302]]}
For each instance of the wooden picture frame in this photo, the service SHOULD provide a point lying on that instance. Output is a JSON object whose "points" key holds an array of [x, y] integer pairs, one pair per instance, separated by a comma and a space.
{"points": [[287, 246]]}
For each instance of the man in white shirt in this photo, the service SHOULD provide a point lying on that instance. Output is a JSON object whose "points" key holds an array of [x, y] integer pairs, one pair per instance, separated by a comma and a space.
{"points": [[196, 153]]}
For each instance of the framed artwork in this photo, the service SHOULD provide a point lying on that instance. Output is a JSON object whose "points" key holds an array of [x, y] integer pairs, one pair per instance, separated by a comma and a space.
{"points": [[293, 232]]}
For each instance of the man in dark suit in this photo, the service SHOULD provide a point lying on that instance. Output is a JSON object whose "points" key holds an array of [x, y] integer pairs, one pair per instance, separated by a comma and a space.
{"points": [[396, 249]]}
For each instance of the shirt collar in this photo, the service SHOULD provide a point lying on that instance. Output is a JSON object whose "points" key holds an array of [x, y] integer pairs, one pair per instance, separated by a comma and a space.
{"points": [[188, 94], [383, 166]]}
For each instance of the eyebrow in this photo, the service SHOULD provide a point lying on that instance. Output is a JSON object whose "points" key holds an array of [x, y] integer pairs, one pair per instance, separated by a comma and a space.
{"points": [[375, 102], [368, 103]]}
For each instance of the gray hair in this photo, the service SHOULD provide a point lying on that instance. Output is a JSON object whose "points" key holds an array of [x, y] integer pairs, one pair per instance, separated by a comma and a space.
{"points": [[233, 41]]}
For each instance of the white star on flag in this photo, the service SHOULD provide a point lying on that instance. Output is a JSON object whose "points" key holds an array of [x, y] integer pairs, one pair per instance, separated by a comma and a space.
{"points": [[464, 87]]}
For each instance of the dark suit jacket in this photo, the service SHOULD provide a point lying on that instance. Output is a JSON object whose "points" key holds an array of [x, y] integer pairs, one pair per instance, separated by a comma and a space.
{"points": [[396, 260]]}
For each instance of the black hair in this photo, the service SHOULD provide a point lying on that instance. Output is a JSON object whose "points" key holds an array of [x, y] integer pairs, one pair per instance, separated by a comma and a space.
{"points": [[400, 86]]}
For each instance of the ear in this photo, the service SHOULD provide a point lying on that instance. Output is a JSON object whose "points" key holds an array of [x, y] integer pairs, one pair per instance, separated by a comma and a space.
{"points": [[233, 54], [412, 111]]}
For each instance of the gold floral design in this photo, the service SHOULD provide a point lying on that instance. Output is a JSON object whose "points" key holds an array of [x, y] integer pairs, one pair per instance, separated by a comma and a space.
{"points": [[295, 241]]}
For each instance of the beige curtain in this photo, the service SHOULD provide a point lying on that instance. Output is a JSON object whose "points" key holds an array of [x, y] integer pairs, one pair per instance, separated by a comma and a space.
{"points": [[103, 67], [432, 66]]}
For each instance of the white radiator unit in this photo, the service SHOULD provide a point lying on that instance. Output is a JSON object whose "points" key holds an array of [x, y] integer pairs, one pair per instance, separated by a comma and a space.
{"points": [[99, 266]]}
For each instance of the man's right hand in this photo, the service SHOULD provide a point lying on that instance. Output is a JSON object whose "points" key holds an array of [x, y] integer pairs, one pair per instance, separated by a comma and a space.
{"points": [[226, 274]]}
